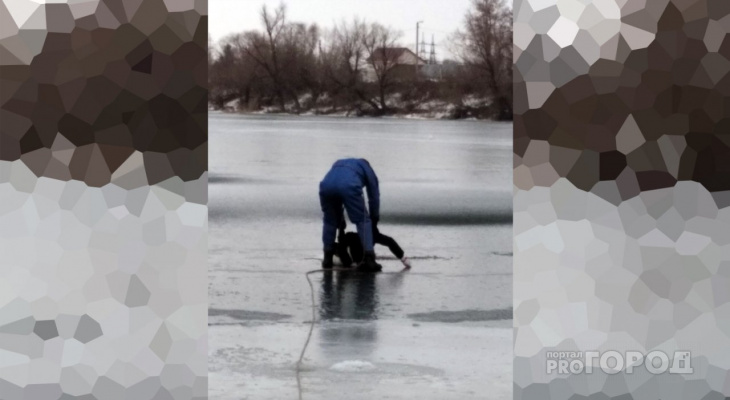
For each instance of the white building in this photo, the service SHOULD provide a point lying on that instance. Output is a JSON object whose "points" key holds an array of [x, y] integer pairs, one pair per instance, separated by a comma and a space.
{"points": [[400, 59]]}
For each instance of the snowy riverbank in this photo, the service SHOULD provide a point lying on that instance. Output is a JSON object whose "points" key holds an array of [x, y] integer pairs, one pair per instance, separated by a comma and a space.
{"points": [[467, 108]]}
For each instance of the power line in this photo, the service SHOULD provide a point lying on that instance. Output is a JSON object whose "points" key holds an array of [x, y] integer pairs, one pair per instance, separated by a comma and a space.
{"points": [[427, 30], [432, 56]]}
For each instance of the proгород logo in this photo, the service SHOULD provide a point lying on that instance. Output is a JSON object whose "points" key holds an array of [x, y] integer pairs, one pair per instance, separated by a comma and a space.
{"points": [[612, 362]]}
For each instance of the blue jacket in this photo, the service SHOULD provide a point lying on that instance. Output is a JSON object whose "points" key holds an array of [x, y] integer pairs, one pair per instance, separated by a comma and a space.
{"points": [[356, 172]]}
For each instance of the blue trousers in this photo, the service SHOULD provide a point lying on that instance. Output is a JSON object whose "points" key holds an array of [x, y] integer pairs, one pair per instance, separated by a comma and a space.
{"points": [[333, 196]]}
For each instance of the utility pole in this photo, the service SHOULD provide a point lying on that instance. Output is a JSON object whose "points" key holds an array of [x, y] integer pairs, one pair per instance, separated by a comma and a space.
{"points": [[432, 56], [422, 47], [416, 73]]}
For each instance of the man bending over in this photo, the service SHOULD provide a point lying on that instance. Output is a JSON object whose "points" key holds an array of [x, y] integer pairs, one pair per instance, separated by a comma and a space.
{"points": [[343, 187]]}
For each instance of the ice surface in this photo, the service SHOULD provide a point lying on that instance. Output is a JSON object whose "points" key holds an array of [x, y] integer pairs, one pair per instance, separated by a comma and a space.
{"points": [[441, 330]]}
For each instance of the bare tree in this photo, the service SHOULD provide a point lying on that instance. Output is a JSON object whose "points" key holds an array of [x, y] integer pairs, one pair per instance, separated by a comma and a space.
{"points": [[264, 48], [357, 64], [287, 54], [309, 74], [222, 75], [299, 60], [248, 74], [211, 54], [211, 62], [485, 45], [343, 60], [379, 43]]}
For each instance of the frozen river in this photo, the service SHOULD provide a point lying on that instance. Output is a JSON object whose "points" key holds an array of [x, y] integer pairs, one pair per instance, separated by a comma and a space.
{"points": [[439, 331]]}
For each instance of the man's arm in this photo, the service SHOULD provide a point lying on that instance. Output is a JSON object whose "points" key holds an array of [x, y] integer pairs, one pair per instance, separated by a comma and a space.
{"points": [[371, 185]]}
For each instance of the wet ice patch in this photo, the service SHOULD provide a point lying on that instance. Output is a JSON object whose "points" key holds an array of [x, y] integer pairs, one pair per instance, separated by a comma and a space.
{"points": [[386, 257], [352, 366], [246, 315], [453, 218], [463, 316]]}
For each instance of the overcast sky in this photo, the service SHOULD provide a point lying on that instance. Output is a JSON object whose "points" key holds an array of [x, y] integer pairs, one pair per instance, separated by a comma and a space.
{"points": [[440, 17]]}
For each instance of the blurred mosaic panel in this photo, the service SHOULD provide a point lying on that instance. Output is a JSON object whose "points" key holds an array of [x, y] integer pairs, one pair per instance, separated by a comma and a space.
{"points": [[622, 194], [103, 192]]}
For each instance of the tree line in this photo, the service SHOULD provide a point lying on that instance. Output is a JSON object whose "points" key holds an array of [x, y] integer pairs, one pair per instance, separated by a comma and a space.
{"points": [[357, 66]]}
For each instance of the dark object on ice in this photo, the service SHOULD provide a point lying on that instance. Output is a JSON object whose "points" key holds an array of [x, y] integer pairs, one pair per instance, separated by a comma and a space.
{"points": [[327, 262], [349, 248], [379, 238], [388, 241], [369, 264]]}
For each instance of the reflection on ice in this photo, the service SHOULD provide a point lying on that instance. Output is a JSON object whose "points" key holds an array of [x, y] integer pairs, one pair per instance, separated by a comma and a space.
{"points": [[348, 295]]}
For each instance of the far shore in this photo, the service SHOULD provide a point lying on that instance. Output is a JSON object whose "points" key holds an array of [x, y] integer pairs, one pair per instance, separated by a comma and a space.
{"points": [[442, 111]]}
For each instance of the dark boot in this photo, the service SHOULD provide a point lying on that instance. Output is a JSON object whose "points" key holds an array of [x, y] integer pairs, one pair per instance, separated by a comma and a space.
{"points": [[369, 264], [327, 262]]}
